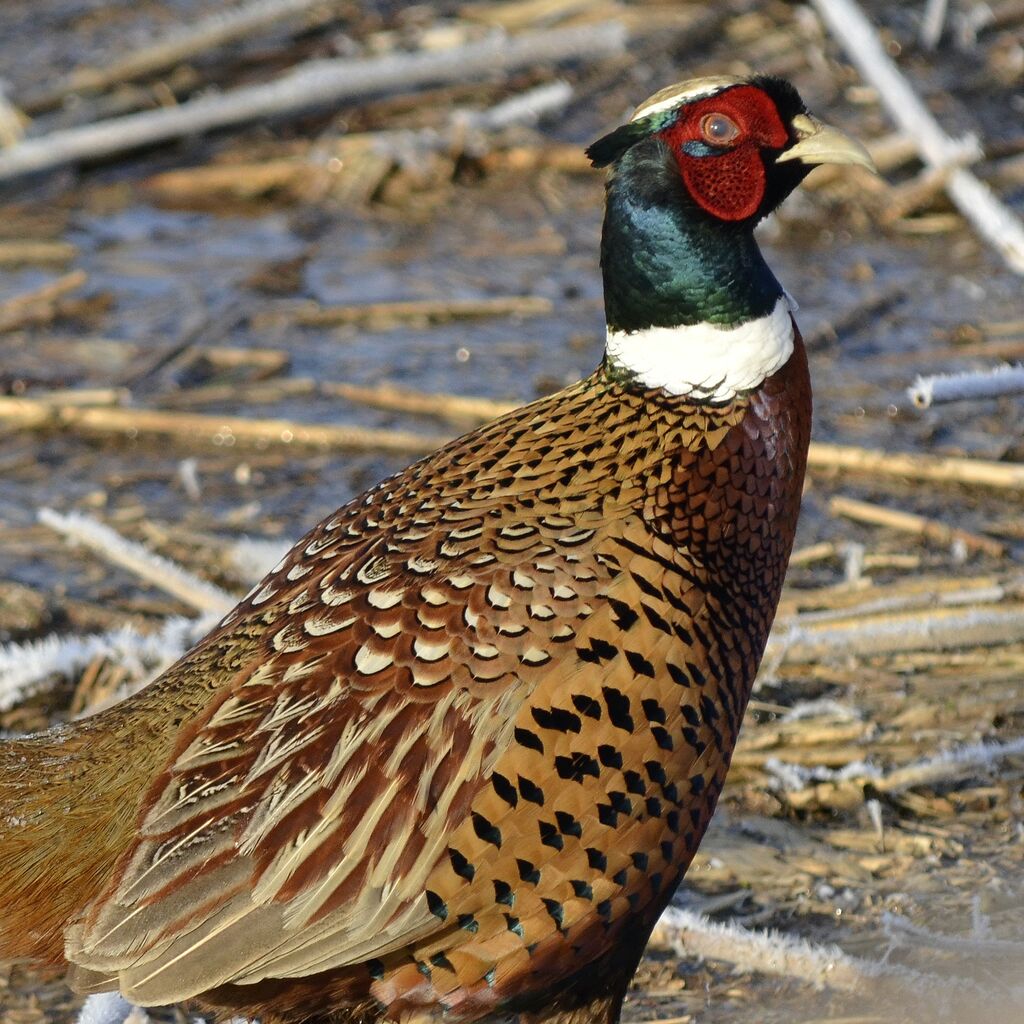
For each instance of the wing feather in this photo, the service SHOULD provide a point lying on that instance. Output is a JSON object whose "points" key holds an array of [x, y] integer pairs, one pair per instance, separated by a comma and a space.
{"points": [[301, 816]]}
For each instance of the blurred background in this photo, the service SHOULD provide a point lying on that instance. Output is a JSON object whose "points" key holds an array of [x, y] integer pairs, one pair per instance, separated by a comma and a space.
{"points": [[255, 256]]}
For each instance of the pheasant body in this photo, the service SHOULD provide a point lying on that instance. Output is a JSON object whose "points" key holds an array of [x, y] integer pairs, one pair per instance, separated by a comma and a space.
{"points": [[451, 758]]}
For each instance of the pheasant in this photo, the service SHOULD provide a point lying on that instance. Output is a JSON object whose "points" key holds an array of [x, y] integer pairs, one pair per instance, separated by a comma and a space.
{"points": [[450, 759]]}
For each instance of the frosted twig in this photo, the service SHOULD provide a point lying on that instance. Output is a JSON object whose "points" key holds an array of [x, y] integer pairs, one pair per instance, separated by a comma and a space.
{"points": [[201, 595], [794, 777], [853, 561], [905, 933], [991, 218], [107, 1008], [250, 560], [688, 934], [523, 108], [974, 384], [314, 84], [948, 765], [26, 668], [823, 706], [206, 34]]}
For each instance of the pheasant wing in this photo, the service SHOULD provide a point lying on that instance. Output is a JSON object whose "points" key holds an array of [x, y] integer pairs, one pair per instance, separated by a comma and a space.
{"points": [[302, 812]]}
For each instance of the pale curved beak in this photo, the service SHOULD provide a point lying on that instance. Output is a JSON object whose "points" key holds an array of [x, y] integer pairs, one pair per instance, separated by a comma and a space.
{"points": [[820, 143]]}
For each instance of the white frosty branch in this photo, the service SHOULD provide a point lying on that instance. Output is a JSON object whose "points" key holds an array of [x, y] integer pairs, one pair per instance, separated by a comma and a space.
{"points": [[250, 560], [794, 777], [771, 952], [802, 639], [949, 764], [904, 932], [974, 384], [168, 576], [25, 668], [523, 108], [110, 1008], [824, 706], [935, 997]]}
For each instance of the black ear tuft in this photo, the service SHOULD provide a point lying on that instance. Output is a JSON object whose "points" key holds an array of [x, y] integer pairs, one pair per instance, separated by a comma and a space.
{"points": [[786, 98], [609, 148]]}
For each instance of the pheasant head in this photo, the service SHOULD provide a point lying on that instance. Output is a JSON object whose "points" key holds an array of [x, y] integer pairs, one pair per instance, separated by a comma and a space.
{"points": [[691, 305]]}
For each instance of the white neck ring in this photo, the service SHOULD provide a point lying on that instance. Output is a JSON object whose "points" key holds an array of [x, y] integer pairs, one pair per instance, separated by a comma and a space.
{"points": [[709, 362]]}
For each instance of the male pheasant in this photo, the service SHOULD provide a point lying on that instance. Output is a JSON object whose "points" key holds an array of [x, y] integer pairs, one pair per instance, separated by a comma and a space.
{"points": [[450, 759]]}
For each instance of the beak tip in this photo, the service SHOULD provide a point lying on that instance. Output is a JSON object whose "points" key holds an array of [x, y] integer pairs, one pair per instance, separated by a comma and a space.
{"points": [[819, 143]]}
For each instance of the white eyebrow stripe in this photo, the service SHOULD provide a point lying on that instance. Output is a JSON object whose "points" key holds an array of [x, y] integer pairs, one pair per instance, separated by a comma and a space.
{"points": [[685, 91]]}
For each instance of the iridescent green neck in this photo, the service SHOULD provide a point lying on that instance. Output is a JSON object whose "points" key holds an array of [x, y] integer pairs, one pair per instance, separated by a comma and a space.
{"points": [[666, 262]]}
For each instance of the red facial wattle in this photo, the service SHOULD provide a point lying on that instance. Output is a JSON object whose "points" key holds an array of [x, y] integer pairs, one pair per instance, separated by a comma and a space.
{"points": [[728, 182]]}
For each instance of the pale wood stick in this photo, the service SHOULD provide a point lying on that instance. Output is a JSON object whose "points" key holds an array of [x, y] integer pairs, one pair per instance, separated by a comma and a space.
{"points": [[206, 34], [29, 306], [433, 310], [220, 430], [821, 456], [944, 469], [83, 396], [17, 252], [814, 553], [266, 361], [240, 181], [560, 156], [920, 191], [991, 218], [316, 83], [1002, 328], [891, 633], [250, 394], [450, 407], [910, 522], [912, 592], [933, 23]]}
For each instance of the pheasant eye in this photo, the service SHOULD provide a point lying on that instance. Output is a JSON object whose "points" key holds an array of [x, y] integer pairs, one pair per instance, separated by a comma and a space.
{"points": [[719, 130]]}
